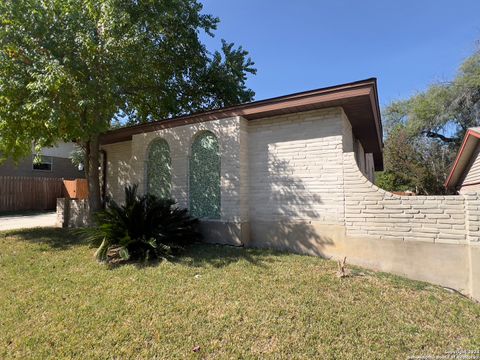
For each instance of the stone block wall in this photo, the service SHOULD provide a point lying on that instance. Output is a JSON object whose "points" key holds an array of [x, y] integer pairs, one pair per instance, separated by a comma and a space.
{"points": [[373, 211], [295, 167], [472, 217], [72, 213]]}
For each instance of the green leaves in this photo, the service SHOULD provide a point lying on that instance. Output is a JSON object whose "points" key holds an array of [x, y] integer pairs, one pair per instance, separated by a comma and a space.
{"points": [[424, 132], [67, 68], [144, 227]]}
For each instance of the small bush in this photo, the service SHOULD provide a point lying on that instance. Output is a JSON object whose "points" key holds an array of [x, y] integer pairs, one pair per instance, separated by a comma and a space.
{"points": [[144, 228]]}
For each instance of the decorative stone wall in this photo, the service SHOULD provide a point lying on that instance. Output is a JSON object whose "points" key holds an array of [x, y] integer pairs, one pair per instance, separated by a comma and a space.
{"points": [[472, 217], [72, 213], [373, 211], [127, 162]]}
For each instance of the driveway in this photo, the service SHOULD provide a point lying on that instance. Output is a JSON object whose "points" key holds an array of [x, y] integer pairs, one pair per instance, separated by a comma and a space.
{"points": [[19, 221]]}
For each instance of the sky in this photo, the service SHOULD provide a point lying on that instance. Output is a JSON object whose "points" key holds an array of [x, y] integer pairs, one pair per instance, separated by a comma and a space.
{"points": [[307, 44]]}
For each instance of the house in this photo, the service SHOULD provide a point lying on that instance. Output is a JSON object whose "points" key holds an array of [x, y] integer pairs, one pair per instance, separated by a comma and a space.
{"points": [[465, 174], [246, 169], [295, 173], [54, 162]]}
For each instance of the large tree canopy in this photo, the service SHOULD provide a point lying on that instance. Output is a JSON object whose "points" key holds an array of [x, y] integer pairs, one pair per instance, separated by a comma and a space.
{"points": [[68, 68], [423, 133]]}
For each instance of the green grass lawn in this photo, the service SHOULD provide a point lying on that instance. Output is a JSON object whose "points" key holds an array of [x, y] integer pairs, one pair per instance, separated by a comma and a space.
{"points": [[57, 302]]}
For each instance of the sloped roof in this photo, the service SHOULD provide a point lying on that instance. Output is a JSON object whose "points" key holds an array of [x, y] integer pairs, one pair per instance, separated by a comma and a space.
{"points": [[358, 99], [464, 156]]}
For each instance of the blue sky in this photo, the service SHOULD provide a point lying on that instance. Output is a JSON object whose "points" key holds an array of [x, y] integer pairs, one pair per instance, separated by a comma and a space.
{"points": [[306, 44]]}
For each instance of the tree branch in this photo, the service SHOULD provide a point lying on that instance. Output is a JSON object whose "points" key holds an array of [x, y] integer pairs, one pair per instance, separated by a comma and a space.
{"points": [[432, 134]]}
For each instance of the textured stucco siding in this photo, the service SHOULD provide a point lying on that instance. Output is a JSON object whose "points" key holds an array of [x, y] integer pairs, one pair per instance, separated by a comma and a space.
{"points": [[295, 167]]}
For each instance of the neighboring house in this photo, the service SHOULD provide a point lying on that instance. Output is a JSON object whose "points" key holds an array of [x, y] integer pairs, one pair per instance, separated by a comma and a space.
{"points": [[465, 174], [295, 173], [54, 162]]}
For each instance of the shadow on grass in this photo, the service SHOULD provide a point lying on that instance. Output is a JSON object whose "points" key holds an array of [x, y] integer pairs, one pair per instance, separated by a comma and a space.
{"points": [[55, 238], [196, 255], [215, 255], [218, 256]]}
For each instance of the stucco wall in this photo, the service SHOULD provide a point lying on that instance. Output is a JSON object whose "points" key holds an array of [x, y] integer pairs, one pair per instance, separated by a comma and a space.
{"points": [[431, 238]]}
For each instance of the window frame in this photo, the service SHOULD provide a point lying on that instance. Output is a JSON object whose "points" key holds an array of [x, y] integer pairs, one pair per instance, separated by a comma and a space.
{"points": [[43, 157]]}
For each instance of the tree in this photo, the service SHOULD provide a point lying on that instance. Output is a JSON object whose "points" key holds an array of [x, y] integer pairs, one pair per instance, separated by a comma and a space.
{"points": [[70, 68], [424, 132], [413, 163]]}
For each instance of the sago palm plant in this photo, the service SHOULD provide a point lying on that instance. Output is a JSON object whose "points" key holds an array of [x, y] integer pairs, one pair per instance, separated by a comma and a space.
{"points": [[143, 228]]}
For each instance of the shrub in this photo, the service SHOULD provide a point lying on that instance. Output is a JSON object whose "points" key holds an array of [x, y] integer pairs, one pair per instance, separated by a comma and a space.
{"points": [[144, 228]]}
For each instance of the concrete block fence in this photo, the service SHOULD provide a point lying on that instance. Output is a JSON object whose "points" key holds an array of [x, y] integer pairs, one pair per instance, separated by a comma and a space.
{"points": [[449, 227], [370, 210]]}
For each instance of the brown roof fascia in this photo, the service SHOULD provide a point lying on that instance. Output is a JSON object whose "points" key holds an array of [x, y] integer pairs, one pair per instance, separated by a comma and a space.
{"points": [[259, 109], [376, 113]]}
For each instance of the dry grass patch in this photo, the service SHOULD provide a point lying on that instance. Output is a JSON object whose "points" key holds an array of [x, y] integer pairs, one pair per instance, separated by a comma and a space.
{"points": [[57, 302]]}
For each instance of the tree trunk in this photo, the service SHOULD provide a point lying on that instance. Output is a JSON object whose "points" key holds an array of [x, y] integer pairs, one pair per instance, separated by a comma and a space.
{"points": [[93, 175]]}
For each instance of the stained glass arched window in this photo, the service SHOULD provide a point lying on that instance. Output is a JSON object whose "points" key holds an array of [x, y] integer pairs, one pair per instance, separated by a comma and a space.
{"points": [[205, 176], [159, 172]]}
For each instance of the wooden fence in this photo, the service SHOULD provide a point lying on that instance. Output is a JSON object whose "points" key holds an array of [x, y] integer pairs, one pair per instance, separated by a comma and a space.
{"points": [[29, 193], [76, 189]]}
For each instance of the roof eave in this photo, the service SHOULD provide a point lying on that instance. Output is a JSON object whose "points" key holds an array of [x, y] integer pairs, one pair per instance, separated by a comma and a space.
{"points": [[348, 95], [465, 152]]}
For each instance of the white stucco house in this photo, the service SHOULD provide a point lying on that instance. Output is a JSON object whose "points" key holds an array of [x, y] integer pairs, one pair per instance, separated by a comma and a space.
{"points": [[295, 172]]}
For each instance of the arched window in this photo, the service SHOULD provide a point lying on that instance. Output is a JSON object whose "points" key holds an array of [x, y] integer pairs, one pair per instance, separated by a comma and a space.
{"points": [[205, 176], [159, 173]]}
